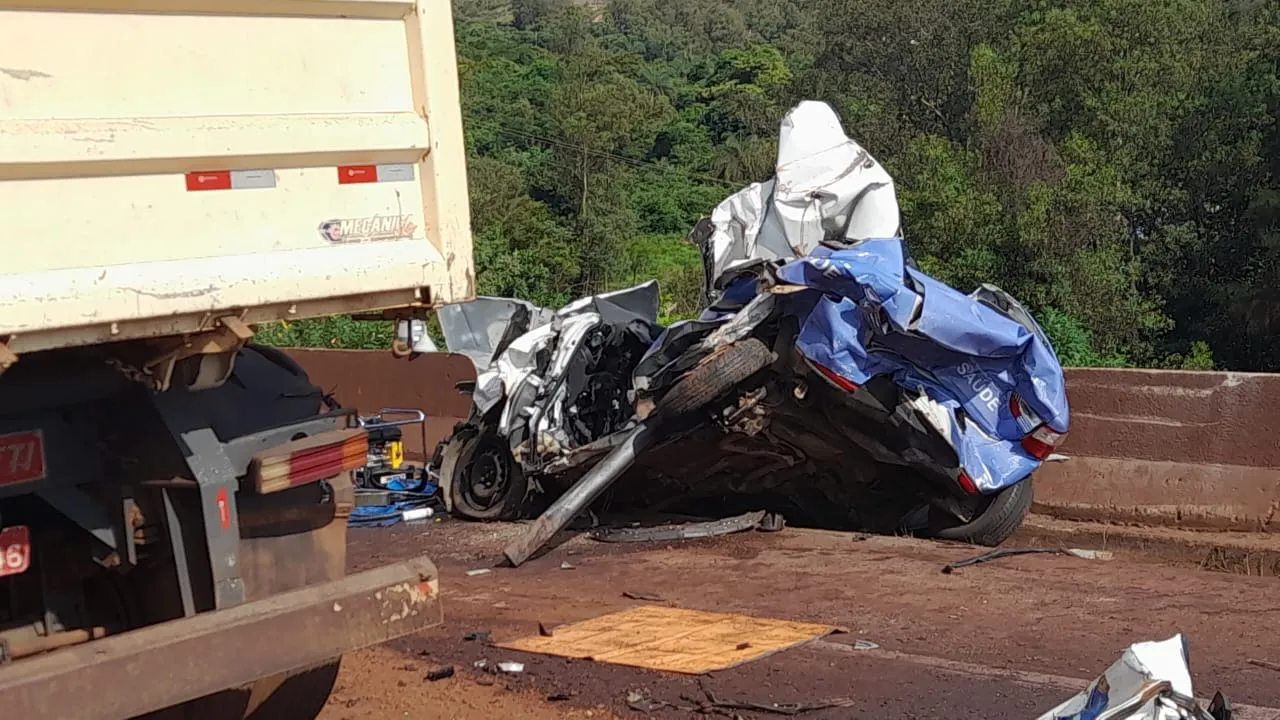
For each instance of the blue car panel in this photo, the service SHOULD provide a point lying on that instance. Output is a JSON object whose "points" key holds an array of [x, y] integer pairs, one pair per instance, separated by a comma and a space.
{"points": [[878, 317]]}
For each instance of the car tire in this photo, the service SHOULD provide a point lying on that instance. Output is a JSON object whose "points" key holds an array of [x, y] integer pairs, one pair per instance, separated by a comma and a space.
{"points": [[458, 465], [995, 523], [716, 375]]}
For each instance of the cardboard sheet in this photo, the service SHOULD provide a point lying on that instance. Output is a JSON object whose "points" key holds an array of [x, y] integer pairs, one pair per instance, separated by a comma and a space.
{"points": [[671, 639]]}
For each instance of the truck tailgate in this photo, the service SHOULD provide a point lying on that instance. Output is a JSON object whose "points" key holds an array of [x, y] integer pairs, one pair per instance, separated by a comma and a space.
{"points": [[163, 162]]}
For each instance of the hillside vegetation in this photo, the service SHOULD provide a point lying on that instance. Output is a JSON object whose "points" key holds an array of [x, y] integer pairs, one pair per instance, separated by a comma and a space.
{"points": [[1113, 163]]}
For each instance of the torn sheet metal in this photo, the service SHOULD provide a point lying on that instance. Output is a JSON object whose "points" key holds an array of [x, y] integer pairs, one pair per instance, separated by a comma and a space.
{"points": [[1151, 681], [536, 361], [687, 531], [827, 186]]}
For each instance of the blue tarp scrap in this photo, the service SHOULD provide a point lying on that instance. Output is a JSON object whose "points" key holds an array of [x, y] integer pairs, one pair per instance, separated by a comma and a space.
{"points": [[424, 494]]}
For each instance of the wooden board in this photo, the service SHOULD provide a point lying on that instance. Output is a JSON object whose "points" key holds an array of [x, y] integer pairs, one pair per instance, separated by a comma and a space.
{"points": [[672, 639]]}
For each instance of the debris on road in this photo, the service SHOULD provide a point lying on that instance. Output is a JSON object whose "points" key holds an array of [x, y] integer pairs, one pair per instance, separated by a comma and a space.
{"points": [[543, 631], [511, 667], [689, 531], [476, 637], [643, 701], [647, 597], [480, 571], [692, 642], [566, 565], [1265, 665], [865, 645], [1150, 681], [1010, 552], [440, 673]]}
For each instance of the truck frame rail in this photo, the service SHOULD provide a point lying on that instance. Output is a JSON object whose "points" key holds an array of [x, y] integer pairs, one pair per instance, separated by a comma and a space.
{"points": [[163, 665]]}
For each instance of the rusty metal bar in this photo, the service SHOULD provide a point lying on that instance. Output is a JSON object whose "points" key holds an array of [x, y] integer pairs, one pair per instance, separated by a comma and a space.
{"points": [[583, 493], [141, 671]]}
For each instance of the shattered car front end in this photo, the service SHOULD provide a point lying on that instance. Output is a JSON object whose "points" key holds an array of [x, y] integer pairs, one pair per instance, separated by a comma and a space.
{"points": [[552, 384]]}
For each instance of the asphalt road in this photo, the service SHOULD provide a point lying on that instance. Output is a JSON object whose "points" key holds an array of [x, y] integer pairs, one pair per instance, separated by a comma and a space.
{"points": [[1008, 639]]}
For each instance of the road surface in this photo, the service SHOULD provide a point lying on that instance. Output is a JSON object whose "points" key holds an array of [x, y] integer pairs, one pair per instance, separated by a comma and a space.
{"points": [[1008, 639]]}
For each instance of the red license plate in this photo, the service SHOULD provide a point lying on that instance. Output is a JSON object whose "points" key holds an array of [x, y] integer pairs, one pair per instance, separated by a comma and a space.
{"points": [[15, 550], [21, 457]]}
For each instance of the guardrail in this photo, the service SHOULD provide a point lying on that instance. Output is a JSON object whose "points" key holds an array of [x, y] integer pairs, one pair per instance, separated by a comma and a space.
{"points": [[1193, 450]]}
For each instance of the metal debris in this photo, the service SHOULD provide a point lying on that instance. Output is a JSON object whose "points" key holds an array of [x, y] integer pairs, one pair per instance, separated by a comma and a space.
{"points": [[1008, 552], [481, 571], [666, 533], [1264, 664], [566, 565], [648, 597], [511, 667], [865, 645], [440, 673], [643, 701]]}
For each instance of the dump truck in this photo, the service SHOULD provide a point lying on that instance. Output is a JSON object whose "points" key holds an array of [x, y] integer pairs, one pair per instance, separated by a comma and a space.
{"points": [[173, 494]]}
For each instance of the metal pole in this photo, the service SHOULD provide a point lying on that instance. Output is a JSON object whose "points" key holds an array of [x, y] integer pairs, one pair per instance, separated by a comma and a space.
{"points": [[583, 493]]}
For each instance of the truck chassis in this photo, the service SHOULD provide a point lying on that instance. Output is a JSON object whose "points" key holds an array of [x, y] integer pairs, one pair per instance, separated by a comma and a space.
{"points": [[186, 552]]}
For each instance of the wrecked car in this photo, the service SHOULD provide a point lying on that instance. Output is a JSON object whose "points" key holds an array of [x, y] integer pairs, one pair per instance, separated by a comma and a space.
{"points": [[552, 388], [828, 378]]}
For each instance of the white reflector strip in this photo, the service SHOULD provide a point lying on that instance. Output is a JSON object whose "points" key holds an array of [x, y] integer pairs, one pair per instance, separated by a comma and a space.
{"points": [[402, 172], [252, 179]]}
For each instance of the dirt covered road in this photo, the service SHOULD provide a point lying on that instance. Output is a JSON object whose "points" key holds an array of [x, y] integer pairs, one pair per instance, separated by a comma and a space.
{"points": [[1008, 639]]}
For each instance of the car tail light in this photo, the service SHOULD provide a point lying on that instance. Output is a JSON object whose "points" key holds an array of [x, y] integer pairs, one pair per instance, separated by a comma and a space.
{"points": [[836, 378], [309, 460], [1040, 440]]}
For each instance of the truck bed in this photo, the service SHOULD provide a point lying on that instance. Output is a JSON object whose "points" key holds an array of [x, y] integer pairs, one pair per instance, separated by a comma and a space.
{"points": [[167, 162]]}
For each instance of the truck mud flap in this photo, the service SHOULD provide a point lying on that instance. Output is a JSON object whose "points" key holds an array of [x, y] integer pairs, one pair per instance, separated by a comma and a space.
{"points": [[170, 663]]}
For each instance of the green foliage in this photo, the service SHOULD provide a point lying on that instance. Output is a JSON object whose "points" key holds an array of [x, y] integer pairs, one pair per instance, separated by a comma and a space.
{"points": [[1113, 163], [333, 332]]}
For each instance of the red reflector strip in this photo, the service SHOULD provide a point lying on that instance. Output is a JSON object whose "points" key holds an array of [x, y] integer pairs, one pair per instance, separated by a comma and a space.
{"points": [[840, 381], [15, 550], [309, 460], [22, 457], [209, 181], [354, 174], [358, 174], [966, 483], [231, 180]]}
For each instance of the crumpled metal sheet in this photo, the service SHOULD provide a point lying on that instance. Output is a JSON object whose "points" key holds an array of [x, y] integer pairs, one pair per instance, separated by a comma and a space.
{"points": [[689, 531], [1150, 681], [826, 185]]}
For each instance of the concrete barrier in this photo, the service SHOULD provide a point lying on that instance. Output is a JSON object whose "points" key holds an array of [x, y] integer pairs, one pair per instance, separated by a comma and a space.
{"points": [[1190, 450], [1193, 450], [369, 380]]}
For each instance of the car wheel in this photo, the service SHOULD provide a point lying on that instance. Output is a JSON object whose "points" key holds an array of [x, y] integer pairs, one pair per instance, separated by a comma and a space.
{"points": [[715, 376], [483, 481], [994, 520]]}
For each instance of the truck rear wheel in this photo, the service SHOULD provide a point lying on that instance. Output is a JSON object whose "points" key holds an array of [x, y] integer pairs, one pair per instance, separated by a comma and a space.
{"points": [[299, 697]]}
